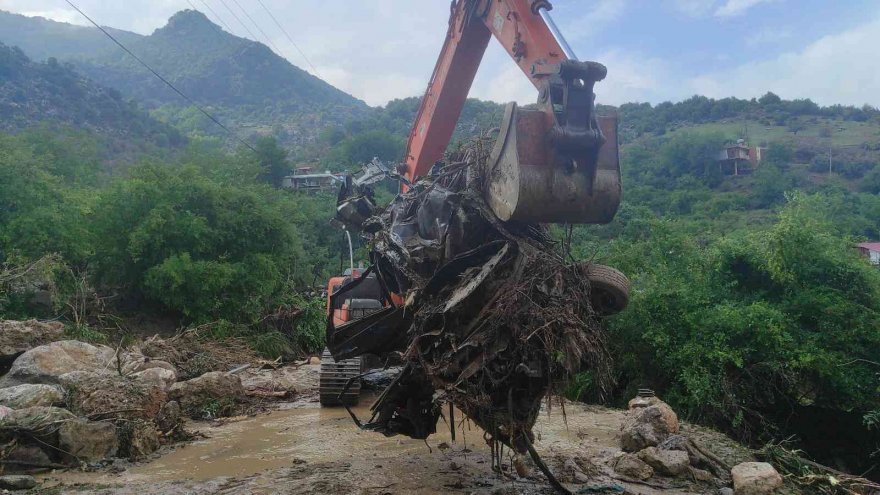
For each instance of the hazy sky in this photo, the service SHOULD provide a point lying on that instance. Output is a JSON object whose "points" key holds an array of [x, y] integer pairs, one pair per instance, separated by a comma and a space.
{"points": [[655, 50]]}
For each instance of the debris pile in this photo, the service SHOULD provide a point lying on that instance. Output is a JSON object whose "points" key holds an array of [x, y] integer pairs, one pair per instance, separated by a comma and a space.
{"points": [[495, 317]]}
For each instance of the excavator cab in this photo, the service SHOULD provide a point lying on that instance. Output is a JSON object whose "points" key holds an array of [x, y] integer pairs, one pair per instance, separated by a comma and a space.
{"points": [[337, 383]]}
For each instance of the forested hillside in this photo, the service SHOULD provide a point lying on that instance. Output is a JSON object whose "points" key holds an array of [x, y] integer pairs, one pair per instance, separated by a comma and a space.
{"points": [[245, 84], [54, 94], [41, 38]]}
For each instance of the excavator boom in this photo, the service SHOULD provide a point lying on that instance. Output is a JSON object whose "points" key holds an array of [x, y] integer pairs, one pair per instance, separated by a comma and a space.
{"points": [[549, 165]]}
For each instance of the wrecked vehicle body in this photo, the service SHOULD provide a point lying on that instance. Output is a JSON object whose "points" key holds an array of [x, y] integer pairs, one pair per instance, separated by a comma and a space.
{"points": [[484, 315]]}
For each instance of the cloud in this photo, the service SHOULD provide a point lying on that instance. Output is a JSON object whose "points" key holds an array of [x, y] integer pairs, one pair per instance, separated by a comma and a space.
{"points": [[60, 15], [737, 7], [840, 68], [769, 36], [694, 8], [600, 15]]}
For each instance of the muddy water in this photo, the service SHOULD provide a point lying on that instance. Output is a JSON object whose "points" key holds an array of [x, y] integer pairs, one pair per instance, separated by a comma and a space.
{"points": [[276, 440], [303, 448], [325, 452]]}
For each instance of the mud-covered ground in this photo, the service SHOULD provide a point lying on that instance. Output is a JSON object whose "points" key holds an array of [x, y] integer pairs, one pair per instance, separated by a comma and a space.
{"points": [[300, 447]]}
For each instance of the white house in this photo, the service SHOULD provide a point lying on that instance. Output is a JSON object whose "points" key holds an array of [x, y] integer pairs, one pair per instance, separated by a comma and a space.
{"points": [[871, 250]]}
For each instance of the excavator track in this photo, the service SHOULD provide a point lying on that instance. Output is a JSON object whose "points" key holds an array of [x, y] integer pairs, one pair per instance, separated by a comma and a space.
{"points": [[333, 378]]}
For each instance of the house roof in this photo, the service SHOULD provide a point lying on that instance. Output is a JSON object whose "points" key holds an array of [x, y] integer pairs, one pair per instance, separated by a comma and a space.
{"points": [[870, 246]]}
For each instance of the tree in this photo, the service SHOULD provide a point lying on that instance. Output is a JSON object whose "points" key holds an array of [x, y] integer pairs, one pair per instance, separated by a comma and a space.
{"points": [[871, 181], [273, 161], [770, 98]]}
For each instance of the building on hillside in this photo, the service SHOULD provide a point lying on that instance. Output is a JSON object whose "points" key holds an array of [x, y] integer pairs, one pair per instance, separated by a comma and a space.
{"points": [[740, 159], [870, 250], [306, 179]]}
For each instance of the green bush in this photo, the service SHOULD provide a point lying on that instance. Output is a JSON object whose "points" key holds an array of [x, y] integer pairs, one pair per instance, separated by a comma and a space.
{"points": [[733, 330]]}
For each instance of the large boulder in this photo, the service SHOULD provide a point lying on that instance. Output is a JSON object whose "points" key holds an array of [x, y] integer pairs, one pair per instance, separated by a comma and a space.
{"points": [[17, 337], [46, 363], [648, 427], [107, 395], [666, 462], [31, 395], [755, 478], [213, 388], [88, 441]]}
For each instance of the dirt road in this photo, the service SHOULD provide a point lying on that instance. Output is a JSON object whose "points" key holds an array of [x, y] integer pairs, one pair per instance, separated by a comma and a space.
{"points": [[303, 448]]}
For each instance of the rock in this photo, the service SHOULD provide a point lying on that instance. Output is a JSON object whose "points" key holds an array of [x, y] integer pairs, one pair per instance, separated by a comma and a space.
{"points": [[89, 441], [215, 386], [521, 466], [755, 478], [31, 395], [665, 462], [725, 491], [379, 379], [139, 439], [138, 363], [314, 360], [269, 381], [642, 402], [106, 396], [46, 363], [700, 475], [4, 411], [631, 466], [17, 482], [25, 457], [40, 421], [17, 337], [156, 376], [648, 427], [169, 416]]}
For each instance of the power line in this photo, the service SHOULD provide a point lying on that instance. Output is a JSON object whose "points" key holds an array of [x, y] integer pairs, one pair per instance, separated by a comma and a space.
{"points": [[268, 39], [237, 18], [229, 29], [288, 37], [159, 76]]}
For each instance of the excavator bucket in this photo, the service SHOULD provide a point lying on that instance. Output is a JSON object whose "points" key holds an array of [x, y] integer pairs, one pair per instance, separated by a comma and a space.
{"points": [[532, 177]]}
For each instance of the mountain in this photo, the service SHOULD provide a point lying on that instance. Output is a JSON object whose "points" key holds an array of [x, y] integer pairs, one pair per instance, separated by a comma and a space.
{"points": [[243, 82], [34, 93], [42, 38]]}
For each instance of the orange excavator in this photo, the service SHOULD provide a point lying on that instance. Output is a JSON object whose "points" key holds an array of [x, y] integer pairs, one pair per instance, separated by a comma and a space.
{"points": [[554, 163]]}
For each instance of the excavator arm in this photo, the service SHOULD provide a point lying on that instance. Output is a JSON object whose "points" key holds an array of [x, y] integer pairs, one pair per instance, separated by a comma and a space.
{"points": [[547, 163]]}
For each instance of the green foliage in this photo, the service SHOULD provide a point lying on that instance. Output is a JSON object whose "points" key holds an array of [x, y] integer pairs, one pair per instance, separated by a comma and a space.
{"points": [[273, 161], [871, 182], [361, 148], [310, 333], [733, 328], [85, 333], [205, 249]]}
